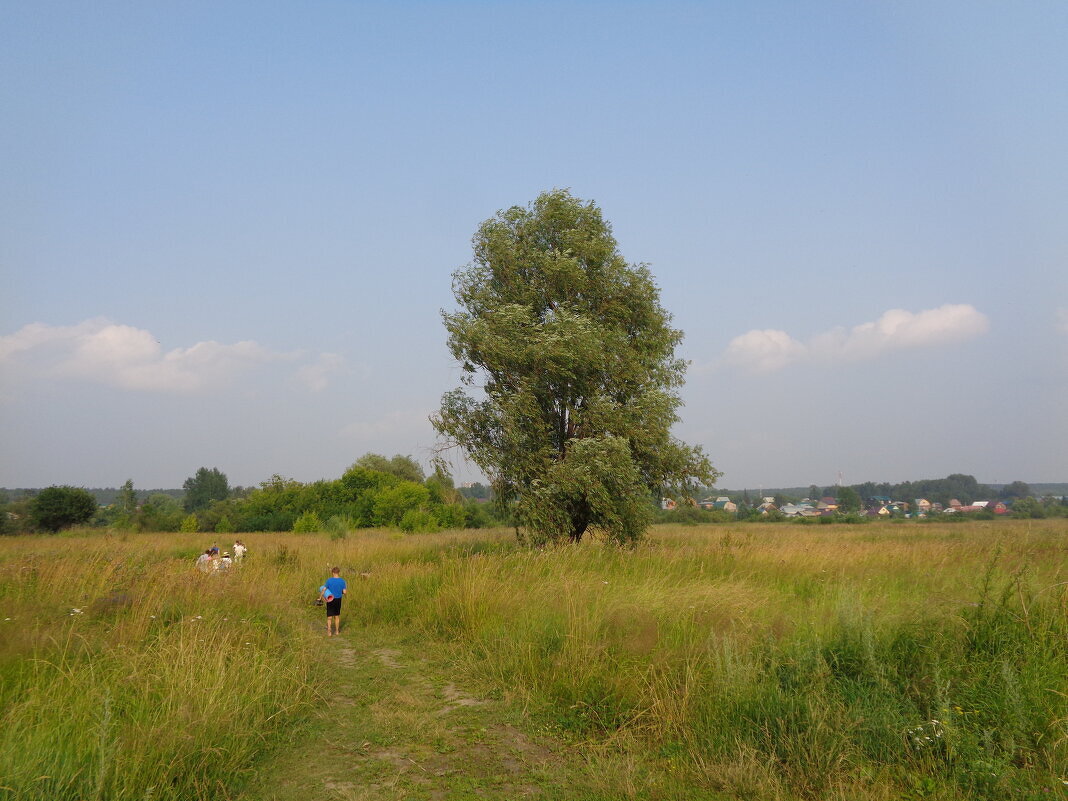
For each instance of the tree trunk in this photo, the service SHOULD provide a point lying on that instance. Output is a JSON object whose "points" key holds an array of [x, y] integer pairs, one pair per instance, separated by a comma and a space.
{"points": [[580, 520]]}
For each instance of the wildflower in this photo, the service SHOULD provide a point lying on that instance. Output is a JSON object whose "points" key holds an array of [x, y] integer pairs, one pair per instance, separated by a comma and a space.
{"points": [[75, 611]]}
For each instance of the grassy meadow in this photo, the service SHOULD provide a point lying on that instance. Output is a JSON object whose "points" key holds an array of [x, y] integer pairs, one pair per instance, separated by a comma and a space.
{"points": [[749, 661]]}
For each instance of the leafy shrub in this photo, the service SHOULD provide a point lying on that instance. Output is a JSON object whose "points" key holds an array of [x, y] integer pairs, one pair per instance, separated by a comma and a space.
{"points": [[307, 523], [338, 527], [393, 503], [61, 507], [419, 520], [451, 516], [189, 524]]}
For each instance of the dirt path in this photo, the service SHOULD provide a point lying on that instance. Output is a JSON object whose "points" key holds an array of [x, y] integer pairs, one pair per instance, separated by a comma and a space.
{"points": [[398, 726]]}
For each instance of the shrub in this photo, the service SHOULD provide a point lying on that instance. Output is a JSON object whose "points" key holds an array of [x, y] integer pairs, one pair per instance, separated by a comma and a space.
{"points": [[338, 527], [189, 524], [61, 507], [451, 516], [307, 523], [393, 503], [419, 520]]}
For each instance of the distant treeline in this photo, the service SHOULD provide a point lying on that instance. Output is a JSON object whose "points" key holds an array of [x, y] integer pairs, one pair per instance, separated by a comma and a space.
{"points": [[374, 492], [962, 487], [377, 491]]}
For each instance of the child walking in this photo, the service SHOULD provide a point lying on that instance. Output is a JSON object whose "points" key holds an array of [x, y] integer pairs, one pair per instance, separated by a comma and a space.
{"points": [[334, 588]]}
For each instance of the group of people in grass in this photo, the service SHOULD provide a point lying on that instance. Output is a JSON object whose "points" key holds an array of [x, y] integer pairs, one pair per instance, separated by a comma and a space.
{"points": [[212, 562], [330, 593]]}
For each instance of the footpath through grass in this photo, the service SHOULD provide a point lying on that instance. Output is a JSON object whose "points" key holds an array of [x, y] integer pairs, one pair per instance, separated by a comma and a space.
{"points": [[397, 722]]}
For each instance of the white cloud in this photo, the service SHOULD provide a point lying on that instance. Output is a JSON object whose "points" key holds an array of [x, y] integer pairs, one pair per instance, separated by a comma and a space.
{"points": [[316, 376], [764, 350], [131, 358], [769, 349]]}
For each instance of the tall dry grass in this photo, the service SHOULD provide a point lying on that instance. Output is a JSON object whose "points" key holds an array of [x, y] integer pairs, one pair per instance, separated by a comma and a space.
{"points": [[788, 661], [750, 661]]}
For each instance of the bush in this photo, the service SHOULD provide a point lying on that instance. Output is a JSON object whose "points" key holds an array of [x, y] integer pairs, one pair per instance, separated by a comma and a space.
{"points": [[689, 516], [338, 527], [62, 507], [307, 523], [189, 524], [393, 503], [451, 516], [419, 520]]}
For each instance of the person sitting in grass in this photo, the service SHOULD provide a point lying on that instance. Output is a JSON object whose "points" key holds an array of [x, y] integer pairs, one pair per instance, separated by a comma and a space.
{"points": [[332, 591], [204, 561]]}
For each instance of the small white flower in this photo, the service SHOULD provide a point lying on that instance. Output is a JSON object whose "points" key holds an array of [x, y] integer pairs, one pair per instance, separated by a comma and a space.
{"points": [[75, 611], [152, 616]]}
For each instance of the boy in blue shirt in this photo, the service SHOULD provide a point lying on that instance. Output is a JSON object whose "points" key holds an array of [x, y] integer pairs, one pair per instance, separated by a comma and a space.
{"points": [[332, 592]]}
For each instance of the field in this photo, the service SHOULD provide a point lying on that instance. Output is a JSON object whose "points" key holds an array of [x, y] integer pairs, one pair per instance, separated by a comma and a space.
{"points": [[880, 661]]}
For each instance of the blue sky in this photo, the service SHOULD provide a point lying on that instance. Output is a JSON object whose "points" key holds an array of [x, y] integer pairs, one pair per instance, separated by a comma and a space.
{"points": [[227, 230]]}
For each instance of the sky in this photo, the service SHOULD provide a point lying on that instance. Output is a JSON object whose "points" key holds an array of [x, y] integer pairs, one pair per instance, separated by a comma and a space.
{"points": [[227, 230]]}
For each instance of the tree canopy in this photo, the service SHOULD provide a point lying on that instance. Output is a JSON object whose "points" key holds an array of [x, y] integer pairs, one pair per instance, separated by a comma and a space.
{"points": [[61, 507], [575, 357], [203, 488]]}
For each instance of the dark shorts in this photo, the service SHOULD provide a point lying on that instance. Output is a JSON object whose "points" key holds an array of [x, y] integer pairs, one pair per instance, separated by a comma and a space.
{"points": [[333, 608]]}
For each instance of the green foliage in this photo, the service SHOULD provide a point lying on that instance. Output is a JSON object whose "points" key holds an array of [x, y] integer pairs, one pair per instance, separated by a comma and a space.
{"points": [[1028, 507], [62, 507], [1017, 489], [403, 467], [224, 526], [126, 503], [849, 500], [392, 503], [453, 515], [307, 523], [338, 527], [203, 488], [576, 359], [189, 523], [159, 512], [418, 520]]}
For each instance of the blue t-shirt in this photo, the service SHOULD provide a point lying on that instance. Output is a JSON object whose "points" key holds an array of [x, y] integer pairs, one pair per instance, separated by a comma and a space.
{"points": [[335, 585]]}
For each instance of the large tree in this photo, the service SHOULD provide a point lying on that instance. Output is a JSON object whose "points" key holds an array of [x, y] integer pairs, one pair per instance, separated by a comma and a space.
{"points": [[61, 507], [576, 359], [203, 488]]}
